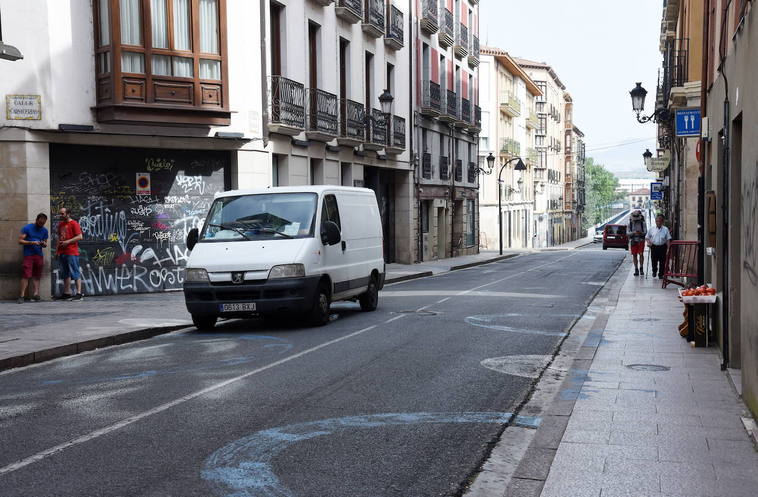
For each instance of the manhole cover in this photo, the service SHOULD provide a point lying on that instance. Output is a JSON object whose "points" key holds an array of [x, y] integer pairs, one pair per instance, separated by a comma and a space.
{"points": [[420, 313], [648, 367]]}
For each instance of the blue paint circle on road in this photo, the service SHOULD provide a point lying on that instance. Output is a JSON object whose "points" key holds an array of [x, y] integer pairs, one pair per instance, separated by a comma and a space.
{"points": [[243, 468]]}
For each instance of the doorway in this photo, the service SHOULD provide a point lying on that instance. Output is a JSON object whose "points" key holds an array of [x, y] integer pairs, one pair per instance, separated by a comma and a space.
{"points": [[442, 233]]}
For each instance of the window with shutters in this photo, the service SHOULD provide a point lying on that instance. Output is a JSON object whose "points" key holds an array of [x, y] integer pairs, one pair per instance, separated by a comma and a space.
{"points": [[161, 61]]}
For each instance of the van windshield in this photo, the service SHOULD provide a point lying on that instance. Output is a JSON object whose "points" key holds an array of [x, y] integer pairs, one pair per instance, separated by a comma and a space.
{"points": [[267, 216]]}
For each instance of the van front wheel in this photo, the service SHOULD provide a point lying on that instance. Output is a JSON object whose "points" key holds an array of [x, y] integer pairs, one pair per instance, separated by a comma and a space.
{"points": [[319, 313], [204, 323], [370, 299]]}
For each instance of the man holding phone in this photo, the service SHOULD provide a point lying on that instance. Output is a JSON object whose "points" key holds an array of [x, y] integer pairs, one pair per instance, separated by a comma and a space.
{"points": [[69, 234], [33, 238]]}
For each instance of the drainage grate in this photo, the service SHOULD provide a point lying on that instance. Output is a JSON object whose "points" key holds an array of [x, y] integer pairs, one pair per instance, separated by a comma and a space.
{"points": [[420, 313], [648, 367]]}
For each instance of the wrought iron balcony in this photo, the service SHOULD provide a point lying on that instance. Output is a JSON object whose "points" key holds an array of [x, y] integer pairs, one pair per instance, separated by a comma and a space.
{"points": [[446, 36], [287, 106], [429, 21], [473, 55], [450, 107], [394, 37], [466, 111], [476, 123], [322, 115], [352, 123], [350, 10], [471, 172], [510, 104], [432, 99], [377, 131], [461, 41], [373, 18], [426, 165], [444, 168], [325, 3], [398, 133], [458, 170]]}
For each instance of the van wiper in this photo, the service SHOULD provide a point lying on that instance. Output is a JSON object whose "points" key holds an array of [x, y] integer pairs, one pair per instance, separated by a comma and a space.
{"points": [[237, 230]]}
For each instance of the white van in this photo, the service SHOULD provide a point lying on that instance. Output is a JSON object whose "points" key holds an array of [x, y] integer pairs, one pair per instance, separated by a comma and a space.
{"points": [[285, 250]]}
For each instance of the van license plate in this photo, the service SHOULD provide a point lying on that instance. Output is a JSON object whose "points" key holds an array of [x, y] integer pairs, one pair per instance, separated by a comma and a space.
{"points": [[249, 306]]}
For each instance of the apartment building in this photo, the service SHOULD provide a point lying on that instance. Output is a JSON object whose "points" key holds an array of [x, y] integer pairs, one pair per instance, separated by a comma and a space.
{"points": [[729, 196], [447, 125], [509, 124], [550, 228], [573, 196], [132, 114]]}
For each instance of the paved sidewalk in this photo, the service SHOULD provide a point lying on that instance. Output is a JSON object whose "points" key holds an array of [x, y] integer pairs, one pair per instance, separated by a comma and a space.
{"points": [[38, 331], [647, 431]]}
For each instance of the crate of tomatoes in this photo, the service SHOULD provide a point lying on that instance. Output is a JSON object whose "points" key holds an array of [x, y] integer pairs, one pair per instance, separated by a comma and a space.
{"points": [[703, 294]]}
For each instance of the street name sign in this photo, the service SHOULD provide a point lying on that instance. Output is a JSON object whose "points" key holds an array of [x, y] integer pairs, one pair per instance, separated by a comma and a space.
{"points": [[688, 122], [23, 107]]}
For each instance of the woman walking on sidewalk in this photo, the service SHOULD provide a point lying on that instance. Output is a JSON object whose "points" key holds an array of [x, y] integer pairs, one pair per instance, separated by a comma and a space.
{"points": [[637, 232], [659, 239]]}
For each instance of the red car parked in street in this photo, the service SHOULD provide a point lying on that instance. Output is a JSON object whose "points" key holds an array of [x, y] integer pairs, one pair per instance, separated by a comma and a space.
{"points": [[615, 236]]}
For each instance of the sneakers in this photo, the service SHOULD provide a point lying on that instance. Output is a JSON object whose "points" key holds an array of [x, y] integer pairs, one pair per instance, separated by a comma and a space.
{"points": [[78, 297], [63, 296], [20, 300], [642, 273], [36, 298], [636, 272]]}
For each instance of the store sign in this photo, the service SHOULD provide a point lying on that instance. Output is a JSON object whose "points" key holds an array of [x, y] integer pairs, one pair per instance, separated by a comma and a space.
{"points": [[688, 122], [23, 107], [658, 164], [143, 184]]}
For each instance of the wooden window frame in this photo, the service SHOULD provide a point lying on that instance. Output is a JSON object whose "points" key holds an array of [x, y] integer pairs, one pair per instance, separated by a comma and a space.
{"points": [[156, 99]]}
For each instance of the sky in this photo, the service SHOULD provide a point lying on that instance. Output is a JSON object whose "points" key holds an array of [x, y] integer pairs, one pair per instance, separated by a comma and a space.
{"points": [[599, 49]]}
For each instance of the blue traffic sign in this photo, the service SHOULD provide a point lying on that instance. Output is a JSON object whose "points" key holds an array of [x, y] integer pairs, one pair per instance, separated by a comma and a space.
{"points": [[688, 122], [656, 191]]}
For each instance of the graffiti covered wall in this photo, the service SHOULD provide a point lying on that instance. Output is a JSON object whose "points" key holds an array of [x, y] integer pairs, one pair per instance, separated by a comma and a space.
{"points": [[135, 207]]}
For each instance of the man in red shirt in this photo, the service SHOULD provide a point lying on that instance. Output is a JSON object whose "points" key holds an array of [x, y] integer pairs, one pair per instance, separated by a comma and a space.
{"points": [[69, 234]]}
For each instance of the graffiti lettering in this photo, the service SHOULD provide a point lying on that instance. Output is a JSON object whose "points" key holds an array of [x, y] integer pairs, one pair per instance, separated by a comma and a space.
{"points": [[750, 237], [155, 164], [104, 257], [191, 184]]}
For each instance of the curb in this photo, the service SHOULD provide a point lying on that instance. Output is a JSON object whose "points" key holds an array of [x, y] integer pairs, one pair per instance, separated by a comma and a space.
{"points": [[84, 346], [137, 335]]}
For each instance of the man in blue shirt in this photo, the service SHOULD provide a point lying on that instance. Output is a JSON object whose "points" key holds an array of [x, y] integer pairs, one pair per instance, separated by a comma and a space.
{"points": [[33, 238]]}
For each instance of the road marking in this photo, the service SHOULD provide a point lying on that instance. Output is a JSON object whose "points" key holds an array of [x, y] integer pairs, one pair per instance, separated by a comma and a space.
{"points": [[163, 407], [456, 293], [394, 319], [526, 366]]}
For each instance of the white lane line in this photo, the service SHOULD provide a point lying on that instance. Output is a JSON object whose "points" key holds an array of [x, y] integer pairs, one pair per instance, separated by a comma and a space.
{"points": [[456, 293], [395, 318], [443, 300], [163, 407]]}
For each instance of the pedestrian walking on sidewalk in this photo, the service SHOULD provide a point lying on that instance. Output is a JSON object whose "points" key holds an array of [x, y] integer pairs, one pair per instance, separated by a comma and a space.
{"points": [[637, 232], [33, 238], [67, 251], [658, 239]]}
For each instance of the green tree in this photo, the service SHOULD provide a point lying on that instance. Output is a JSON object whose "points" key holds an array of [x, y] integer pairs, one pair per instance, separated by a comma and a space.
{"points": [[601, 192]]}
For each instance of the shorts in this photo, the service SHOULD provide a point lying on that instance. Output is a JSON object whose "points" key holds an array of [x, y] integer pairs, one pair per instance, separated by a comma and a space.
{"points": [[638, 248], [69, 266], [32, 267]]}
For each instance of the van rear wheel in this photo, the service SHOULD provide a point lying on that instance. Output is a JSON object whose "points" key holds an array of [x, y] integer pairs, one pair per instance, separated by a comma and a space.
{"points": [[319, 313], [204, 323], [370, 299]]}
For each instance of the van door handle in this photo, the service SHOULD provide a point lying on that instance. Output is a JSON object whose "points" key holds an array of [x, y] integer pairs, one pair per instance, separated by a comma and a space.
{"points": [[344, 246]]}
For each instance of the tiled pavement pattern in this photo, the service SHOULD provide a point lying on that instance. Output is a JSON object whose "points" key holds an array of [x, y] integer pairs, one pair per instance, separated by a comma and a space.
{"points": [[636, 433]]}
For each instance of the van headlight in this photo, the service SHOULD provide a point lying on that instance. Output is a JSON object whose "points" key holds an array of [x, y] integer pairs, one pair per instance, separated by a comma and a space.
{"points": [[287, 271], [195, 274]]}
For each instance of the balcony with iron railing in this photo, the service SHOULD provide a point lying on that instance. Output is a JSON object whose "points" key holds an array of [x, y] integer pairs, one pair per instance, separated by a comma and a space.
{"points": [[464, 118], [460, 49], [471, 172], [458, 170], [352, 123], [325, 3], [287, 106], [394, 37], [429, 21], [426, 165], [322, 115], [473, 55], [446, 36], [350, 10], [431, 101], [476, 121], [449, 107], [510, 147], [532, 121], [373, 18], [444, 168], [510, 104], [397, 143], [377, 131]]}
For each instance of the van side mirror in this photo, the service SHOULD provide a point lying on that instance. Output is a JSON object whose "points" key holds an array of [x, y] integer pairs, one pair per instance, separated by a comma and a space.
{"points": [[192, 238], [330, 233]]}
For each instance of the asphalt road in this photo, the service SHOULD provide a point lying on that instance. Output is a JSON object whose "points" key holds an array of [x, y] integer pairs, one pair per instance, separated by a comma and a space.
{"points": [[399, 402]]}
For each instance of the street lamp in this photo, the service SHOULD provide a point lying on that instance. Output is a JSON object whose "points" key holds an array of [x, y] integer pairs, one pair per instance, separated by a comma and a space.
{"points": [[638, 95], [385, 102], [518, 167], [8, 52]]}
